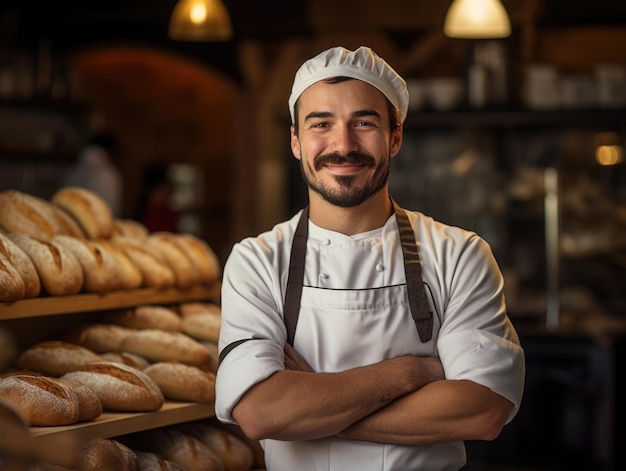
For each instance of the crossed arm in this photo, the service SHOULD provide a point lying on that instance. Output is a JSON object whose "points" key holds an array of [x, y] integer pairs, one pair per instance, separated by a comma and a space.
{"points": [[404, 400]]}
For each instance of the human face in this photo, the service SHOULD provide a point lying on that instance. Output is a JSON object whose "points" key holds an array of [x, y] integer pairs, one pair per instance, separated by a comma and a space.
{"points": [[344, 142]]}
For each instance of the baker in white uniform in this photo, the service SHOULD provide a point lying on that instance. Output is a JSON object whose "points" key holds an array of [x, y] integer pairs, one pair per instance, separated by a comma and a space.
{"points": [[358, 335]]}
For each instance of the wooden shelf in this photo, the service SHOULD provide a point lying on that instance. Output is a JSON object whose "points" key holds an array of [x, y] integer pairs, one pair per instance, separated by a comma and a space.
{"points": [[114, 424], [89, 302]]}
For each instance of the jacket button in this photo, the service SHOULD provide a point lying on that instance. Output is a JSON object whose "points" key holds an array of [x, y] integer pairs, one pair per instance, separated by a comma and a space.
{"points": [[380, 267]]}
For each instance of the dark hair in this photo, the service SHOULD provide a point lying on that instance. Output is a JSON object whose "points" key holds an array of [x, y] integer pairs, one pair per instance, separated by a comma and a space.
{"points": [[394, 114]]}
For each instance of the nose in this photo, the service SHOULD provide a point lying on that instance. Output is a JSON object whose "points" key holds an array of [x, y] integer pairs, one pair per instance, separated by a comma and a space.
{"points": [[344, 140]]}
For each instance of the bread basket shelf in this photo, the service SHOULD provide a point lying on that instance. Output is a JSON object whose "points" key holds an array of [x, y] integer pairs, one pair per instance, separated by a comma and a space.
{"points": [[114, 424], [53, 305]]}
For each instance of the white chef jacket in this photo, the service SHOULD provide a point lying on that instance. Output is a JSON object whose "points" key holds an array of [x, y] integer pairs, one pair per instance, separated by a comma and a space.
{"points": [[354, 312]]}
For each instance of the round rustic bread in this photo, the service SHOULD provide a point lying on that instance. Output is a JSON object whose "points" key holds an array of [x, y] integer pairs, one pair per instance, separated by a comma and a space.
{"points": [[185, 272], [160, 345], [23, 264], [59, 271], [41, 400], [182, 382], [99, 266], [55, 357], [12, 286], [155, 270], [234, 453], [103, 454], [119, 387], [145, 317]]}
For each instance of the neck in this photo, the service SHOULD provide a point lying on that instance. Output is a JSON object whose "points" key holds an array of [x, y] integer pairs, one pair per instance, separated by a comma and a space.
{"points": [[369, 215]]}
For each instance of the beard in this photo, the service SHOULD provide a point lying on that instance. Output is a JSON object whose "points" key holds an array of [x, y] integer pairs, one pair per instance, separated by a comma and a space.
{"points": [[347, 193]]}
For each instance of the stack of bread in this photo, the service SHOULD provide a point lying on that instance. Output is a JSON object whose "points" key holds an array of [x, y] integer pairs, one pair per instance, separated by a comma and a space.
{"points": [[72, 243], [131, 361]]}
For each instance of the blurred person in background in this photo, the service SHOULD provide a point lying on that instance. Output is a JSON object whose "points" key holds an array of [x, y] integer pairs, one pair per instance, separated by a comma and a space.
{"points": [[97, 169]]}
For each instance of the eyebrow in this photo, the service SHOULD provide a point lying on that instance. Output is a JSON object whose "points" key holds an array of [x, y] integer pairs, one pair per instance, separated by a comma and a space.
{"points": [[328, 114]]}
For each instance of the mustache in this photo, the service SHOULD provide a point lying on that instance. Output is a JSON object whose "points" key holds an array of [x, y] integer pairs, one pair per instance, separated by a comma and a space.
{"points": [[355, 158]]}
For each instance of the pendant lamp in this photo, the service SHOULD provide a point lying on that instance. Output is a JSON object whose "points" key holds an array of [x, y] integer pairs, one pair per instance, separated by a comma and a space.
{"points": [[200, 20], [477, 19]]}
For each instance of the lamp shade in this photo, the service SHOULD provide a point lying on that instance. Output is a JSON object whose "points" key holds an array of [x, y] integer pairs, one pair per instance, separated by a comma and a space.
{"points": [[200, 20], [476, 19]]}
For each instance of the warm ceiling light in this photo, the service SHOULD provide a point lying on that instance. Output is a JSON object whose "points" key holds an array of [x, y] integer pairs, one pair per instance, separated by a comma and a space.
{"points": [[200, 20], [476, 19]]}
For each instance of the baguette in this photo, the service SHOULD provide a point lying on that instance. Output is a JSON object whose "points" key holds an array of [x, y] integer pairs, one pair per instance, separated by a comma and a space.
{"points": [[159, 345], [101, 338], [202, 326], [55, 357], [119, 387], [235, 454], [42, 401], [202, 256], [148, 461], [27, 214], [145, 317], [99, 266], [126, 358], [89, 210], [156, 272], [128, 274], [58, 269], [185, 272], [23, 264], [183, 382]]}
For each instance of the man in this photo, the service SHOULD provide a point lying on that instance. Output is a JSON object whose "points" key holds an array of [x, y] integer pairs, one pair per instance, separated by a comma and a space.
{"points": [[357, 335]]}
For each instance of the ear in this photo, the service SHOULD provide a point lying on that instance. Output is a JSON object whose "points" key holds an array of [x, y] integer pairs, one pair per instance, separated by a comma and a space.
{"points": [[396, 142], [295, 143]]}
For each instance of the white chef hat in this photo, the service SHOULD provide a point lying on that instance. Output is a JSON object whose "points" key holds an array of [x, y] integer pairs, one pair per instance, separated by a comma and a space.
{"points": [[362, 64]]}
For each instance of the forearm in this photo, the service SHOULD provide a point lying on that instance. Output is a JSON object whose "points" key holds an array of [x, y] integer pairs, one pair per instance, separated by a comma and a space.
{"points": [[302, 405], [442, 411]]}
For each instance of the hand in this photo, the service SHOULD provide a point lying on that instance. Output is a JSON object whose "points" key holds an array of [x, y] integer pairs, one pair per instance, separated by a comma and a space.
{"points": [[294, 361]]}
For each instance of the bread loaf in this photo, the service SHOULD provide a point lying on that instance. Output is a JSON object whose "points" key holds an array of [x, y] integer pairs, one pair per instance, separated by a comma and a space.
{"points": [[202, 255], [130, 228], [185, 272], [128, 274], [202, 326], [55, 357], [59, 271], [99, 266], [234, 453], [126, 358], [156, 272], [23, 264], [11, 283], [193, 308], [159, 345], [66, 224], [103, 454], [42, 401], [90, 211], [183, 382], [148, 461], [89, 406], [119, 387], [27, 214], [182, 449], [101, 338], [145, 317]]}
